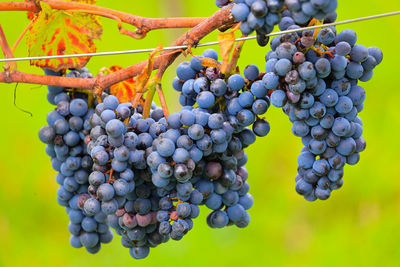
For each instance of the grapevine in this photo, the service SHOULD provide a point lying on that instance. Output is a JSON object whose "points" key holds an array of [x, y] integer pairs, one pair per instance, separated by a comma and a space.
{"points": [[125, 163]]}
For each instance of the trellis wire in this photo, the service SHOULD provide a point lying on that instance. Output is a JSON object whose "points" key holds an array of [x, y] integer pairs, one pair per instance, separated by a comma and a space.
{"points": [[203, 44]]}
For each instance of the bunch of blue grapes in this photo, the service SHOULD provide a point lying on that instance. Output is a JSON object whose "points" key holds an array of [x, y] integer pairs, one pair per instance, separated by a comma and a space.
{"points": [[262, 15], [146, 177], [151, 174], [314, 77], [65, 136]]}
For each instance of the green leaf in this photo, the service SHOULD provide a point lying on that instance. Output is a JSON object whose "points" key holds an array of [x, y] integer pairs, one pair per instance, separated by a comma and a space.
{"points": [[59, 32]]}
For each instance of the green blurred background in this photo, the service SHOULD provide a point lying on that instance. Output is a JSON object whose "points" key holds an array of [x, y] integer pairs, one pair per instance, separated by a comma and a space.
{"points": [[358, 226]]}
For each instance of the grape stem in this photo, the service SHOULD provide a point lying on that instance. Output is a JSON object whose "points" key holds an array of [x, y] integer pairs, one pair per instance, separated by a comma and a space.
{"points": [[219, 19], [149, 99], [143, 24], [136, 99], [162, 100]]}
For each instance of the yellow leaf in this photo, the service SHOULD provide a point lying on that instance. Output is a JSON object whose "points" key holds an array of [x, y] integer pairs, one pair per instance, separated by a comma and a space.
{"points": [[226, 43]]}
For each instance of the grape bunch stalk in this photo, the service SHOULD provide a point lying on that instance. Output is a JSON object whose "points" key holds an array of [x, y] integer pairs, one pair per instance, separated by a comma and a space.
{"points": [[146, 174]]}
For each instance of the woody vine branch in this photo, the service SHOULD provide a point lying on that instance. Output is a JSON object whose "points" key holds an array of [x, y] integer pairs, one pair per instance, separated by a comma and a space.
{"points": [[221, 19]]}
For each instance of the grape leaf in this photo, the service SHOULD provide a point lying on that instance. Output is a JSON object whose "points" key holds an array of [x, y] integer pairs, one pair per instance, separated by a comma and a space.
{"points": [[226, 42], [59, 32], [125, 90]]}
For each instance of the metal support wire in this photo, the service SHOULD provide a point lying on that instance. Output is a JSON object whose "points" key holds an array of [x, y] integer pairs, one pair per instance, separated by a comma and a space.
{"points": [[125, 52]]}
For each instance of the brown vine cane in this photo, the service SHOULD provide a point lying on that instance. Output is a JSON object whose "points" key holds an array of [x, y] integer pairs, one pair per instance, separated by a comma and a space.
{"points": [[219, 19]]}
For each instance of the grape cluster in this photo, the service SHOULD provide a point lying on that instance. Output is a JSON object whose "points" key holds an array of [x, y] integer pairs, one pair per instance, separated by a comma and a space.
{"points": [[65, 138], [194, 158], [118, 169], [262, 15], [147, 177], [315, 76]]}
